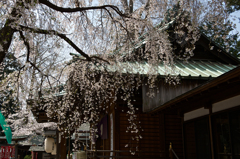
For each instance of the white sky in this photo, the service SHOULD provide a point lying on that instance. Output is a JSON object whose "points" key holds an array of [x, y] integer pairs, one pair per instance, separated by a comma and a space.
{"points": [[236, 16]]}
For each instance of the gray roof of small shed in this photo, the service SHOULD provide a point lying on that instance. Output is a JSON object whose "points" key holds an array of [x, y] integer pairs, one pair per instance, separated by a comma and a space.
{"points": [[36, 148]]}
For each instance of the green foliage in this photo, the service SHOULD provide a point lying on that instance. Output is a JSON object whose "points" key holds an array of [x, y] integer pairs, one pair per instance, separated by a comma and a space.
{"points": [[235, 48], [222, 37], [9, 65], [233, 5], [28, 157], [8, 103]]}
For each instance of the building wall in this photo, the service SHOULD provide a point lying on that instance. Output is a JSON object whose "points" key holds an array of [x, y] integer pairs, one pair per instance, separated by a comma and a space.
{"points": [[165, 92], [152, 132], [173, 133], [158, 131]]}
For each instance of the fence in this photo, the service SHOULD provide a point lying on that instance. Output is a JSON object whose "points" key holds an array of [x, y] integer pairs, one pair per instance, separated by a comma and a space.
{"points": [[114, 154]]}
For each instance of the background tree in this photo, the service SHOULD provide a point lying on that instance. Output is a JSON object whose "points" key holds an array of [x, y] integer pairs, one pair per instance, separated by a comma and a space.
{"points": [[223, 34], [225, 39], [8, 102], [233, 5]]}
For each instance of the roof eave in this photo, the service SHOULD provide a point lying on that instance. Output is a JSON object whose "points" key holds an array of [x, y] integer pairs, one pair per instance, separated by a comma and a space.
{"points": [[212, 83]]}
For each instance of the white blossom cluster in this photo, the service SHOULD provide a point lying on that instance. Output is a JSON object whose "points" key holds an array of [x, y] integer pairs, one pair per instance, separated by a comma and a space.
{"points": [[22, 123]]}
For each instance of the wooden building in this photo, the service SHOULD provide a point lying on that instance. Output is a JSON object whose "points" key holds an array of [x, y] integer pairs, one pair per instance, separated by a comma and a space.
{"points": [[194, 118], [208, 119], [167, 118], [183, 115]]}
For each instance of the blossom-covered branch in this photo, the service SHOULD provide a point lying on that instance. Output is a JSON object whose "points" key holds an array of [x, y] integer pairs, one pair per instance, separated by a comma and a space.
{"points": [[53, 32], [81, 9]]}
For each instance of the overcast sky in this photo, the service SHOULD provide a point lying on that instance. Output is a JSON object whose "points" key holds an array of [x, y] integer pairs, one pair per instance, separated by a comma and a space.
{"points": [[236, 21]]}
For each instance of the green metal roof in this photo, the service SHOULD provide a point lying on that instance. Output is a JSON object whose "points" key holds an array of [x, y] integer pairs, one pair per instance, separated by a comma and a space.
{"points": [[185, 69]]}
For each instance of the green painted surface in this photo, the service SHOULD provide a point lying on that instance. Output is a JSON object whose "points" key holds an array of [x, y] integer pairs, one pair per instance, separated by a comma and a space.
{"points": [[193, 68], [204, 69], [6, 128]]}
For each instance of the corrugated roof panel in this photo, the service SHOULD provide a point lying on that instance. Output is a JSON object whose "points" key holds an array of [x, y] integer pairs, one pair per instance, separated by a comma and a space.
{"points": [[225, 67], [182, 72], [161, 70], [145, 68], [142, 70], [197, 69], [215, 72], [189, 71], [190, 68], [216, 68], [204, 71]]}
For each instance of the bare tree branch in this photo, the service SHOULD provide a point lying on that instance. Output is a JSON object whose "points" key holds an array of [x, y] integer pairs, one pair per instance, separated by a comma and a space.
{"points": [[131, 6], [53, 32], [26, 44], [19, 71], [28, 54], [80, 9]]}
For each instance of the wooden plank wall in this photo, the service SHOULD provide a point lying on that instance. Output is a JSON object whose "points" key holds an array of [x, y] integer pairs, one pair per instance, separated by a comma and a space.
{"points": [[173, 134], [164, 92], [190, 141], [158, 131], [152, 142]]}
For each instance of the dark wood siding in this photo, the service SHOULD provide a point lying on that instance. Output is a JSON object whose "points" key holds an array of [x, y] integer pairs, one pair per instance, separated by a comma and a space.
{"points": [[165, 92], [152, 143], [173, 131], [197, 139], [190, 142]]}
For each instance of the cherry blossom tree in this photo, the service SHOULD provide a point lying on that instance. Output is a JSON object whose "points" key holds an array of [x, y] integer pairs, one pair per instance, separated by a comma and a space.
{"points": [[102, 22], [22, 123], [107, 38]]}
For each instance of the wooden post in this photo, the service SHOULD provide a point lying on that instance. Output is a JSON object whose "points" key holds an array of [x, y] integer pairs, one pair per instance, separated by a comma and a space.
{"points": [[94, 154], [210, 130], [57, 144], [61, 146], [103, 149], [162, 135], [16, 150], [170, 151], [183, 138], [69, 142]]}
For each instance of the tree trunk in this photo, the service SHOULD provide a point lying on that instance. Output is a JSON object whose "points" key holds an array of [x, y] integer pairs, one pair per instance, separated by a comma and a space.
{"points": [[6, 34]]}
